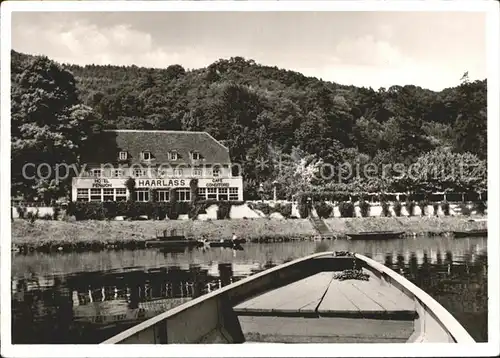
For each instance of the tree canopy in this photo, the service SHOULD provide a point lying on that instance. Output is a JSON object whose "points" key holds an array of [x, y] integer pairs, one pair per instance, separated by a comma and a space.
{"points": [[256, 110], [49, 127]]}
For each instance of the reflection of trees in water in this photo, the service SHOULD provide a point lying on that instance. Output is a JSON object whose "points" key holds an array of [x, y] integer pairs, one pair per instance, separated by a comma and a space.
{"points": [[44, 308], [439, 260], [460, 285], [413, 266], [225, 273], [52, 304], [424, 275], [400, 260], [47, 314], [388, 260]]}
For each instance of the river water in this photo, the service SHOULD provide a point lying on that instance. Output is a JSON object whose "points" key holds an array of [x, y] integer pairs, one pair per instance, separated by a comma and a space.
{"points": [[88, 297]]}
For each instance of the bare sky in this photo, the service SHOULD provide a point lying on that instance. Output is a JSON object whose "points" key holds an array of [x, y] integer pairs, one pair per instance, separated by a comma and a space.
{"points": [[377, 49]]}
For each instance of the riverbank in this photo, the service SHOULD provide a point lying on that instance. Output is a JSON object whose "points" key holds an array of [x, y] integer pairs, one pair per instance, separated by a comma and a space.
{"points": [[95, 235], [98, 235], [411, 226]]}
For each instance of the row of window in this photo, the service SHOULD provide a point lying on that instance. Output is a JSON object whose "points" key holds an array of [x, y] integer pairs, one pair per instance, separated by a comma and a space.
{"points": [[138, 173], [183, 194], [173, 155], [218, 193], [106, 194]]}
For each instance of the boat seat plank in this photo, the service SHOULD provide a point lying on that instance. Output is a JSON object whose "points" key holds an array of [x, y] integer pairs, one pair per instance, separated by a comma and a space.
{"points": [[358, 298], [366, 298], [335, 301], [301, 296], [385, 295], [323, 330]]}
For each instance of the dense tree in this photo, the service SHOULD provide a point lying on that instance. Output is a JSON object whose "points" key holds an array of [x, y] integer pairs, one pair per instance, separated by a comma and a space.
{"points": [[254, 107], [443, 170], [471, 122], [49, 127]]}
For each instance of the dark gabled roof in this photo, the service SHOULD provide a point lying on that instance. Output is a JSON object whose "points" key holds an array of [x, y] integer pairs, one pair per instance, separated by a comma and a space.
{"points": [[159, 143]]}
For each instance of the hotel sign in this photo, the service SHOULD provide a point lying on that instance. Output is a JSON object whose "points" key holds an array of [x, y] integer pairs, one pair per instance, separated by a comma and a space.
{"points": [[156, 182], [217, 183], [101, 183], [98, 183], [161, 183]]}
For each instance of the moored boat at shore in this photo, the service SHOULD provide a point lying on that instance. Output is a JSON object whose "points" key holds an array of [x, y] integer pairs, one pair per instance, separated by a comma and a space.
{"points": [[328, 297], [174, 243], [471, 233], [173, 240], [375, 235]]}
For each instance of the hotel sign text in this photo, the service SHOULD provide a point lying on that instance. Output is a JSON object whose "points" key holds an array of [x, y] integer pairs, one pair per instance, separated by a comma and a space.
{"points": [[161, 183], [217, 183], [101, 183]]}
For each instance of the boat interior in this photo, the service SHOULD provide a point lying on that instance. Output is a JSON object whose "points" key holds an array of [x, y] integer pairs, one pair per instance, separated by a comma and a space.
{"points": [[323, 309], [327, 298]]}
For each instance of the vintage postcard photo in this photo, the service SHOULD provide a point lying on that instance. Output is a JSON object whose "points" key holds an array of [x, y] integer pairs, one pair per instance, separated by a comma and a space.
{"points": [[280, 174]]}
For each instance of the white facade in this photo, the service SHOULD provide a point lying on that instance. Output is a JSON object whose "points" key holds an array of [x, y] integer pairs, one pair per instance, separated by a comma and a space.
{"points": [[158, 161], [114, 189]]}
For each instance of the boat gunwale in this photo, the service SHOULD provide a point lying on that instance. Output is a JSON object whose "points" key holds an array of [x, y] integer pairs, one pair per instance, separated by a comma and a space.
{"points": [[221, 291], [444, 318]]}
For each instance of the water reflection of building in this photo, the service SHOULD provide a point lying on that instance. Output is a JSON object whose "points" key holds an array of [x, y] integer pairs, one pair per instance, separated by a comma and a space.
{"points": [[158, 161], [139, 286], [125, 297]]}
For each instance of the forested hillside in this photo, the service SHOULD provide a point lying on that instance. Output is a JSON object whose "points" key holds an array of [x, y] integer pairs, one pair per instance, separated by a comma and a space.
{"points": [[263, 112]]}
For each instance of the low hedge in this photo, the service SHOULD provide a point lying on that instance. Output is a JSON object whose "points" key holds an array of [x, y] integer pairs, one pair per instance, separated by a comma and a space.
{"points": [[346, 209], [446, 208], [398, 208], [480, 207], [323, 209], [364, 208], [224, 210], [410, 207], [88, 210], [386, 211], [21, 211], [284, 209], [423, 205], [153, 210], [435, 206], [327, 195], [464, 209], [303, 205], [264, 207]]}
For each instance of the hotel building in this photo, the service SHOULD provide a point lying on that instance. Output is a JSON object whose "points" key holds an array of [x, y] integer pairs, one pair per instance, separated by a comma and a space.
{"points": [[160, 160]]}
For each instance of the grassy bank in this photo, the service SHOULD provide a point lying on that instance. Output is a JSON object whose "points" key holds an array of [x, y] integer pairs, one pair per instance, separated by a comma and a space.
{"points": [[133, 234], [97, 235], [409, 225]]}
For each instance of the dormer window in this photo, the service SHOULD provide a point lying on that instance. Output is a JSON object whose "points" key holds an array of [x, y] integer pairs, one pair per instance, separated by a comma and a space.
{"points": [[195, 155], [178, 172], [122, 156], [172, 155], [117, 173], [97, 173], [146, 155], [197, 172], [216, 171], [138, 173]]}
